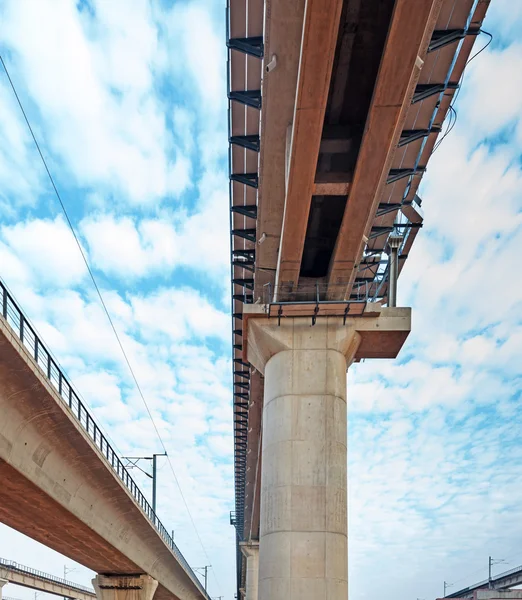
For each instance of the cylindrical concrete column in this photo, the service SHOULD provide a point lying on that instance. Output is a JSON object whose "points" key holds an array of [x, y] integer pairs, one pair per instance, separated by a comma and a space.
{"points": [[303, 530]]}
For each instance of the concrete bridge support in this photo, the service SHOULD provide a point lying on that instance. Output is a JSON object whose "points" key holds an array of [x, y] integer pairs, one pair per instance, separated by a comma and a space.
{"points": [[2, 583], [250, 551], [303, 529], [124, 587]]}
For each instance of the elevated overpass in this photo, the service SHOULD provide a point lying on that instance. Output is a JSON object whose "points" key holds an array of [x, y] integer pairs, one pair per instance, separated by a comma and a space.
{"points": [[335, 107], [18, 574], [64, 486], [502, 581]]}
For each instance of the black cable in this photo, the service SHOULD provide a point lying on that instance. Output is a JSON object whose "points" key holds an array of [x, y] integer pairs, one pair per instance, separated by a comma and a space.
{"points": [[452, 120], [469, 60], [102, 301], [454, 100]]}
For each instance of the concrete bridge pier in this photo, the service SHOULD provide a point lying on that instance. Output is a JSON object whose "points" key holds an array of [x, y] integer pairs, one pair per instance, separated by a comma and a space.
{"points": [[303, 528], [124, 587], [2, 583], [250, 551]]}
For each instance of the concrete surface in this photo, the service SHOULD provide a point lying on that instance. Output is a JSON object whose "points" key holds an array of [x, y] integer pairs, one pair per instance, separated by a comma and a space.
{"points": [[303, 528], [250, 551], [379, 334], [138, 587]]}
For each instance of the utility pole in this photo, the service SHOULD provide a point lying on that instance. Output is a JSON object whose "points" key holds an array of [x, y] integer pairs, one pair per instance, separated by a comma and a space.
{"points": [[132, 462], [446, 586], [205, 569], [493, 561], [66, 570], [154, 479]]}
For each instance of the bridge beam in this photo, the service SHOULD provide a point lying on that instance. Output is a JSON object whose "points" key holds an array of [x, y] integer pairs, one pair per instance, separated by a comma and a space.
{"points": [[124, 587], [410, 32], [320, 28], [303, 527]]}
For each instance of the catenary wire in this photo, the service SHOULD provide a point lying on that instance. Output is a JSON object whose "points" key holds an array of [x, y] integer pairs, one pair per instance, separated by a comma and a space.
{"points": [[100, 296]]}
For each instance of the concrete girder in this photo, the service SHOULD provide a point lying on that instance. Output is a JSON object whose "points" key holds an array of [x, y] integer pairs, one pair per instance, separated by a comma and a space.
{"points": [[410, 32]]}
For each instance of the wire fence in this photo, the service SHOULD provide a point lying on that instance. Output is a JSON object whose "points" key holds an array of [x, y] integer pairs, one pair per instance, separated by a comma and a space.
{"points": [[14, 566], [26, 333]]}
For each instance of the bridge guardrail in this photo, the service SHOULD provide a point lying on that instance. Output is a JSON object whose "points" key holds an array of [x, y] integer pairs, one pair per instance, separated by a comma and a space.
{"points": [[318, 293], [20, 325], [11, 564], [480, 584]]}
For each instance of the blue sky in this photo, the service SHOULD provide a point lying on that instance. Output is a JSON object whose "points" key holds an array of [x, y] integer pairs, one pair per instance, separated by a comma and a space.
{"points": [[130, 110]]}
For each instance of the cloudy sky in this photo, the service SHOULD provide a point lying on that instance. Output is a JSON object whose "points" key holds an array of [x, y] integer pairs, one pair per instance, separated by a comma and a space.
{"points": [[130, 110]]}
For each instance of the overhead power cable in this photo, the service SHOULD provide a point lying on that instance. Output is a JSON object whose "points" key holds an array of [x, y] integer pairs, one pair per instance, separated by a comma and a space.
{"points": [[102, 301]]}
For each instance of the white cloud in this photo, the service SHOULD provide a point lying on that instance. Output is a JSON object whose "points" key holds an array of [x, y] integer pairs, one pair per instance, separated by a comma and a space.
{"points": [[20, 185], [129, 248], [121, 248], [181, 314], [44, 250], [492, 87], [102, 115], [205, 59], [183, 126], [201, 66], [206, 233]]}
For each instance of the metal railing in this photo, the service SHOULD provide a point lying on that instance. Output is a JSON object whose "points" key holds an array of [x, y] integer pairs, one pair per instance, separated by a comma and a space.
{"points": [[14, 566], [507, 573], [318, 293], [480, 584], [21, 326]]}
